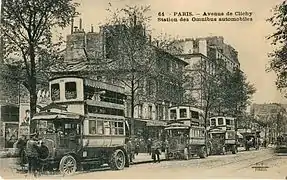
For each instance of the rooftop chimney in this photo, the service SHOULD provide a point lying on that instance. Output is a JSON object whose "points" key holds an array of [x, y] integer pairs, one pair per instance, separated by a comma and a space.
{"points": [[80, 27], [92, 28]]}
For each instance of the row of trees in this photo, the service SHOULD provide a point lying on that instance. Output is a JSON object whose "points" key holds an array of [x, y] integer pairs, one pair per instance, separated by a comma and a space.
{"points": [[222, 92], [278, 58]]}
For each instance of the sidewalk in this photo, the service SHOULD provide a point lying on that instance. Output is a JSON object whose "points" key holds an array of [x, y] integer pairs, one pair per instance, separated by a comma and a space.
{"points": [[9, 152], [146, 158]]}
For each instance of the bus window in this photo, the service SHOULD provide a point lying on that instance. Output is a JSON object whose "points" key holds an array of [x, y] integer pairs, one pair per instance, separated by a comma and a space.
{"points": [[100, 127], [107, 128], [70, 90], [120, 128], [113, 128], [220, 121], [92, 127], [194, 114], [228, 122], [173, 114], [231, 122], [182, 113], [55, 92], [191, 133], [213, 122]]}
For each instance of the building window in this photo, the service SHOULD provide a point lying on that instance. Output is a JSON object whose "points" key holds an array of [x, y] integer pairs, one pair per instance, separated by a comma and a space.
{"points": [[149, 112], [55, 92], [70, 90], [182, 113], [140, 110], [160, 112], [11, 114], [172, 114]]}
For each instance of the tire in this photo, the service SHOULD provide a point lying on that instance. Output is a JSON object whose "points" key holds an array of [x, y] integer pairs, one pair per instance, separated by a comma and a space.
{"points": [[185, 154], [68, 165], [202, 152], [117, 160], [234, 149]]}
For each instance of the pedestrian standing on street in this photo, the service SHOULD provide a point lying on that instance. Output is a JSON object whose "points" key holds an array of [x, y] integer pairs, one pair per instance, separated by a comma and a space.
{"points": [[21, 144], [129, 149], [32, 154], [156, 152], [265, 143], [149, 144], [137, 147]]}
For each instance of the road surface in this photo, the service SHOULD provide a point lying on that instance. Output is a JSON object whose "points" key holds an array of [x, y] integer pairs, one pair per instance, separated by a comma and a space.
{"points": [[263, 164]]}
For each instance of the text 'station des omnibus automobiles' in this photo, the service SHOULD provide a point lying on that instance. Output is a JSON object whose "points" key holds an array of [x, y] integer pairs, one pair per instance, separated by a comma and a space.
{"points": [[186, 133], [89, 131]]}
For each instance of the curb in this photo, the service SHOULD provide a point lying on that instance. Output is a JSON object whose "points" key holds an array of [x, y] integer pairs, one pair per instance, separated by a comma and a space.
{"points": [[147, 161]]}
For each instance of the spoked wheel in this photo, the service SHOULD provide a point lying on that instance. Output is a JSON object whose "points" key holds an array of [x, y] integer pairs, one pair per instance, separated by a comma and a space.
{"points": [[68, 165], [118, 160]]}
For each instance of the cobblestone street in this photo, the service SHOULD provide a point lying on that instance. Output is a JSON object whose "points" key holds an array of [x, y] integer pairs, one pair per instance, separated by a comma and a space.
{"points": [[241, 165]]}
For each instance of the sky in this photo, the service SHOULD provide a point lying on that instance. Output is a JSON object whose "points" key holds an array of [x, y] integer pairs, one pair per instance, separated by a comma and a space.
{"points": [[248, 38]]}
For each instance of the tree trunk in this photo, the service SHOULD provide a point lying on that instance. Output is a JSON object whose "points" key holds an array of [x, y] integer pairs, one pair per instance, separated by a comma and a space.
{"points": [[33, 86], [205, 125], [132, 109], [33, 103]]}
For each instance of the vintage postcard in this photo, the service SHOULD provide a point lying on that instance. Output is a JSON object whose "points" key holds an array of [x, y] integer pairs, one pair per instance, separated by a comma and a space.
{"points": [[143, 89]]}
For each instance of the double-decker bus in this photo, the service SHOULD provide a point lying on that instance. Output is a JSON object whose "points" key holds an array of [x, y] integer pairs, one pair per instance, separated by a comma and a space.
{"points": [[84, 125], [186, 133], [223, 134]]}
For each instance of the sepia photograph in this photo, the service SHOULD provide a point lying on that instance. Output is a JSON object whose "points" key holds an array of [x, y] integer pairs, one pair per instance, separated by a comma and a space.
{"points": [[143, 89]]}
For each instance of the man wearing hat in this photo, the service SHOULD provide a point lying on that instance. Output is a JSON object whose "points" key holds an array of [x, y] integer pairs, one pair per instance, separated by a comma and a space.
{"points": [[32, 153]]}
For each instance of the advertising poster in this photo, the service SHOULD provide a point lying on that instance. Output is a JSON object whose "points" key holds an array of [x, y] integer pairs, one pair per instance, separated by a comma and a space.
{"points": [[24, 119]]}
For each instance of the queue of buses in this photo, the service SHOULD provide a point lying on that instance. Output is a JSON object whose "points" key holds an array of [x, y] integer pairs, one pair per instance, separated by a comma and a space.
{"points": [[85, 125]]}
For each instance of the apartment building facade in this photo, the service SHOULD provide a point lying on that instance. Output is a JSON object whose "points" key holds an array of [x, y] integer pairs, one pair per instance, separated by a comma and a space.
{"points": [[205, 57], [160, 87]]}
